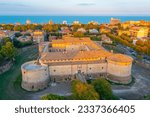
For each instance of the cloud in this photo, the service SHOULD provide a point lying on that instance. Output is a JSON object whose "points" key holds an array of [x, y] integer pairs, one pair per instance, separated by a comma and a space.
{"points": [[86, 4], [13, 4]]}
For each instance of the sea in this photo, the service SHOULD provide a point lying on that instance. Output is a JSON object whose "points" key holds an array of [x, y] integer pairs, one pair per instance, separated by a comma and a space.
{"points": [[69, 19]]}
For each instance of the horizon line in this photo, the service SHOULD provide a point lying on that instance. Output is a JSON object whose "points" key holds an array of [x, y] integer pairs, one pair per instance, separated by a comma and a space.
{"points": [[78, 15]]}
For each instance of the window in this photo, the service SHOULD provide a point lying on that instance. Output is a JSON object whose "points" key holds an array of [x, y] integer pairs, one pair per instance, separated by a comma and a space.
{"points": [[54, 70], [102, 67], [90, 68]]}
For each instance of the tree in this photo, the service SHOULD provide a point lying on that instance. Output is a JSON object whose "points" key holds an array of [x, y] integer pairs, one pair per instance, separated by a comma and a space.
{"points": [[8, 50], [5, 40], [50, 28], [78, 34], [83, 91], [18, 34], [95, 38], [17, 28], [52, 97], [1, 57], [19, 44], [8, 27], [139, 57], [39, 27], [140, 43], [75, 27], [103, 88], [27, 34]]}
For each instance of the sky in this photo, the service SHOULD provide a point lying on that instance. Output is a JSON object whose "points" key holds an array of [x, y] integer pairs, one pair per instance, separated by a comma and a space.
{"points": [[75, 7]]}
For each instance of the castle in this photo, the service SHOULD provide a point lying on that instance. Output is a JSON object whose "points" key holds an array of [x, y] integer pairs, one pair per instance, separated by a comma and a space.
{"points": [[62, 59]]}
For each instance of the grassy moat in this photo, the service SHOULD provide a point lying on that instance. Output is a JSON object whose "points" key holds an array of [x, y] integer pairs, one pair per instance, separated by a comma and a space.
{"points": [[10, 81]]}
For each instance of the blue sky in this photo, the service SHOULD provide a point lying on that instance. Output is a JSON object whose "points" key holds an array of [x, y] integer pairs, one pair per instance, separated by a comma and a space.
{"points": [[75, 7]]}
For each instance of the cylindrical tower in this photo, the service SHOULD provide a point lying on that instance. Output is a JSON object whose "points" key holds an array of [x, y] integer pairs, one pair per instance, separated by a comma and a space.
{"points": [[119, 68], [34, 77]]}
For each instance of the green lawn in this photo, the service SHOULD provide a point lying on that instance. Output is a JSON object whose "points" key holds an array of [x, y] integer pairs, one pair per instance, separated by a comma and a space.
{"points": [[10, 81]]}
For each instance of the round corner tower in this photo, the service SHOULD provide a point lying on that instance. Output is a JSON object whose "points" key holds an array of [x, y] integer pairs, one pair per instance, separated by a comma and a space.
{"points": [[119, 68], [34, 77]]}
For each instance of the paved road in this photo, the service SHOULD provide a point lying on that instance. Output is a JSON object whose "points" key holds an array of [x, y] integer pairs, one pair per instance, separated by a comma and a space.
{"points": [[139, 89], [63, 89]]}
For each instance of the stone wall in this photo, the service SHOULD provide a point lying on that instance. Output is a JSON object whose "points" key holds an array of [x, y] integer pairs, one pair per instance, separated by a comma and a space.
{"points": [[63, 70], [5, 67], [60, 70], [97, 68], [119, 70], [116, 79]]}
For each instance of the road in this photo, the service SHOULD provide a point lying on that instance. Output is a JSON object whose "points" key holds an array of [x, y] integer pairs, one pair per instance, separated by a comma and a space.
{"points": [[139, 89], [63, 89]]}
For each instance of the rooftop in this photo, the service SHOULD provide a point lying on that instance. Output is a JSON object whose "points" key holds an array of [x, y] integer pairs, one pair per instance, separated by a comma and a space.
{"points": [[92, 53], [120, 58], [78, 55]]}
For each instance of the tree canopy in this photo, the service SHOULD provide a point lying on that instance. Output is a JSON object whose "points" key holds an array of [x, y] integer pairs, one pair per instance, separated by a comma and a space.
{"points": [[140, 47], [103, 88], [78, 34], [52, 97], [8, 50], [83, 91]]}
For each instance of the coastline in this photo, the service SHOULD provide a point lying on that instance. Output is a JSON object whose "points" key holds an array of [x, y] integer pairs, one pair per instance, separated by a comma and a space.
{"points": [[69, 19]]}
